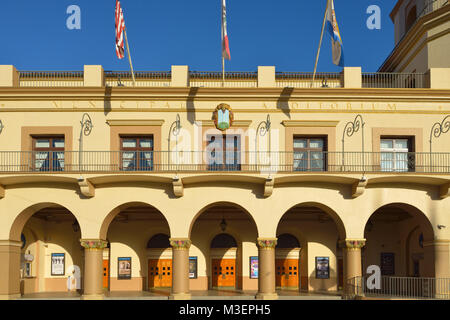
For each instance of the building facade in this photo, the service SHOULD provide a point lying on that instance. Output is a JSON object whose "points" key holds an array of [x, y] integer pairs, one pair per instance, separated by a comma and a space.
{"points": [[266, 181]]}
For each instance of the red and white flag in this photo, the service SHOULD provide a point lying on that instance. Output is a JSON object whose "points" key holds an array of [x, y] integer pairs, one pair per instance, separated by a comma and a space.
{"points": [[120, 27], [225, 44]]}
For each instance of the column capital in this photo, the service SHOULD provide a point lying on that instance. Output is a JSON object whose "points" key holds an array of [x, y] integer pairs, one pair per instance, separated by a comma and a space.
{"points": [[93, 244], [352, 244], [266, 243], [180, 243]]}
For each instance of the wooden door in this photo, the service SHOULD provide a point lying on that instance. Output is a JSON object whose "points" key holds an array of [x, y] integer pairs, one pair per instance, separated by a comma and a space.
{"points": [[287, 273], [159, 273], [224, 272], [165, 267], [105, 274]]}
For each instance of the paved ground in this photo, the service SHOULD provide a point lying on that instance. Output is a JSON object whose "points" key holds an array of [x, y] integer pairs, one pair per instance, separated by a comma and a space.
{"points": [[163, 294]]}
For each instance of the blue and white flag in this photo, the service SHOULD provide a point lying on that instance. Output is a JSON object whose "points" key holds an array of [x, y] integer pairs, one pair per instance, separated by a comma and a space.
{"points": [[336, 40]]}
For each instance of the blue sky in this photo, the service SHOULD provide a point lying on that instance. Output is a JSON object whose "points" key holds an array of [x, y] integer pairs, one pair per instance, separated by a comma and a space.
{"points": [[284, 33]]}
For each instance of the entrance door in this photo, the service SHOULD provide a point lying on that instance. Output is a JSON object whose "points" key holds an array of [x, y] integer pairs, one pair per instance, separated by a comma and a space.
{"points": [[224, 272], [287, 273], [105, 274], [159, 273]]}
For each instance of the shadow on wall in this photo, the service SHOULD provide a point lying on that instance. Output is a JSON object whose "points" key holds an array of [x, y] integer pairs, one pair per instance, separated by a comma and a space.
{"points": [[318, 285], [107, 103], [283, 101], [190, 105]]}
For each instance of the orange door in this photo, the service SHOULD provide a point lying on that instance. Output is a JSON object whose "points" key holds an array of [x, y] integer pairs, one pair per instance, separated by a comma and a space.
{"points": [[159, 273], [105, 274], [165, 267], [287, 273], [224, 272]]}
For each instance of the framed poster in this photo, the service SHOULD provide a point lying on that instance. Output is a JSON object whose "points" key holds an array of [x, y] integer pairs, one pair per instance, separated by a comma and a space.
{"points": [[322, 267], [124, 268], [58, 264], [192, 267], [253, 267], [387, 264]]}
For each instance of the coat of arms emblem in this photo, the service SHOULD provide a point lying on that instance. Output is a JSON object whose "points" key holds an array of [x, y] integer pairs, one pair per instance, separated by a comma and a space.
{"points": [[223, 117]]}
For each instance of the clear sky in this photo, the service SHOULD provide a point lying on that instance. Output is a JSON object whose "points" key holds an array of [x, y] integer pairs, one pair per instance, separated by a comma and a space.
{"points": [[283, 33]]}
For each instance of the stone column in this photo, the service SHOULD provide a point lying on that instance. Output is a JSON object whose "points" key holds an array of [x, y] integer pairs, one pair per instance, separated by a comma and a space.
{"points": [[10, 269], [352, 264], [93, 268], [266, 272], [180, 268]]}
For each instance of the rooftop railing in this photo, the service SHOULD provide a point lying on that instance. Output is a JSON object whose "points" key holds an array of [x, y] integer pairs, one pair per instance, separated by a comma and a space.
{"points": [[51, 78], [393, 80], [219, 161], [305, 80], [400, 288], [143, 78], [432, 5], [214, 79]]}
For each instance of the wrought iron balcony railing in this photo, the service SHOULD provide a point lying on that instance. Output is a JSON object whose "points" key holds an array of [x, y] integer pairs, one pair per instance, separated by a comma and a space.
{"points": [[219, 161]]}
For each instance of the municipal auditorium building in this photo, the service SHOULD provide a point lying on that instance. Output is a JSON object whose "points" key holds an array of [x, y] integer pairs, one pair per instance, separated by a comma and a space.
{"points": [[268, 183]]}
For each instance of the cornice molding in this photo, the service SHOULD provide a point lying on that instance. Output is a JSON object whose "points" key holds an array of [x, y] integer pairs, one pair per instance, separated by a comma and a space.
{"points": [[233, 94], [309, 123], [131, 122]]}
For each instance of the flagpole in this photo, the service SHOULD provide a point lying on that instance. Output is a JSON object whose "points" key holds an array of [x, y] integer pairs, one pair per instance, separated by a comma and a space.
{"points": [[223, 72], [223, 58], [129, 58], [320, 43]]}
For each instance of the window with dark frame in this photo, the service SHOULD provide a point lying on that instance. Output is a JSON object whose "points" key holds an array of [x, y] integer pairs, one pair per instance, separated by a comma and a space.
{"points": [[310, 153], [136, 153], [397, 154], [48, 153], [224, 152]]}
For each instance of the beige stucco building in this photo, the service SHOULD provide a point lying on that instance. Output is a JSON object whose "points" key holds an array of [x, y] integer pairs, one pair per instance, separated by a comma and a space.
{"points": [[110, 186]]}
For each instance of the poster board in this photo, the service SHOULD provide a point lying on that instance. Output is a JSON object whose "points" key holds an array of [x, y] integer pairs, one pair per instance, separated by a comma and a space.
{"points": [[124, 268], [58, 264]]}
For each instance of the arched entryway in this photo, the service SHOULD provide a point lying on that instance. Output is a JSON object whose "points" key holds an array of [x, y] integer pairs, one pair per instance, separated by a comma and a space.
{"points": [[310, 232], [51, 257], [223, 261], [134, 231], [395, 236], [223, 239]]}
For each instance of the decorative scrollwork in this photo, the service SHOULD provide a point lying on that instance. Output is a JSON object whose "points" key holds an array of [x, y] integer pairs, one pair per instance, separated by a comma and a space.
{"points": [[353, 127], [350, 129], [439, 128], [264, 126], [177, 128], [263, 129], [1, 126], [86, 124]]}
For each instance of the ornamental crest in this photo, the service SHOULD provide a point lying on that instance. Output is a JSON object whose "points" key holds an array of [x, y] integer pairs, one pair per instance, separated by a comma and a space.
{"points": [[223, 117]]}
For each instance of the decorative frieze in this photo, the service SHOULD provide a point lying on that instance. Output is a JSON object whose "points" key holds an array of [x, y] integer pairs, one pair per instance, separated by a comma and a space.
{"points": [[93, 244], [267, 244], [180, 244]]}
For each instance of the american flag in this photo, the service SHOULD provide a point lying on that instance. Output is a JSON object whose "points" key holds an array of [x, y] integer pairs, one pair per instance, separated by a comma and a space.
{"points": [[120, 27]]}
